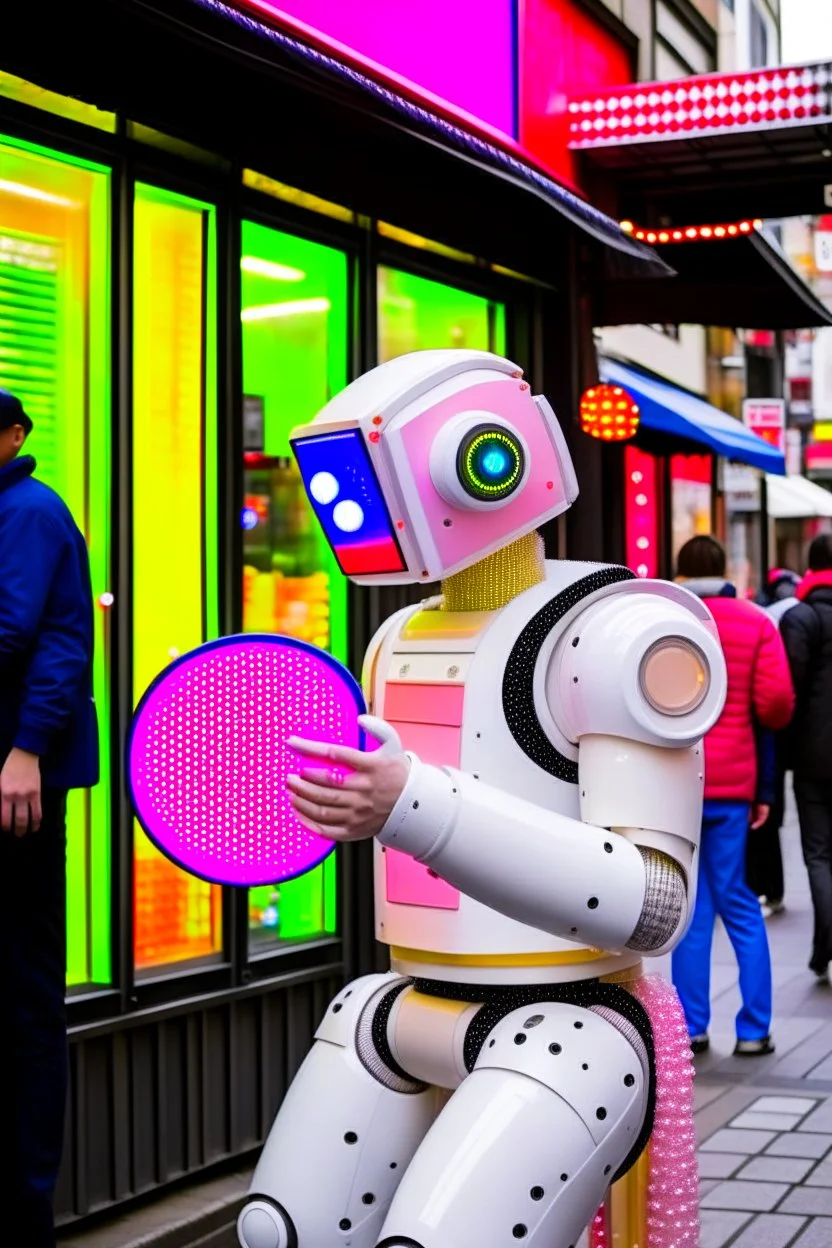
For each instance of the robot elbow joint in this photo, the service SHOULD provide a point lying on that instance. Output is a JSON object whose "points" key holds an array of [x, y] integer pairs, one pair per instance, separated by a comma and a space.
{"points": [[665, 902]]}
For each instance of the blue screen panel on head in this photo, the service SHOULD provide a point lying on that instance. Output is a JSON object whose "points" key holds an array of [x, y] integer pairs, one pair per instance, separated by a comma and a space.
{"points": [[346, 497]]}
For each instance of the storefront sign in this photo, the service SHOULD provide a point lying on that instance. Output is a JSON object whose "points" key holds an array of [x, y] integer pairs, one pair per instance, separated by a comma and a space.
{"points": [[766, 418], [461, 54], [823, 251], [794, 452], [740, 487]]}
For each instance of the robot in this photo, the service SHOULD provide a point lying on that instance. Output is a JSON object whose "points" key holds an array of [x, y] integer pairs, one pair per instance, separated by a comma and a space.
{"points": [[492, 1085]]}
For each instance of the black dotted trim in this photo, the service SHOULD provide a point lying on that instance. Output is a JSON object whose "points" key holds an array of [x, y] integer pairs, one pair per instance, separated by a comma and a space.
{"points": [[518, 679], [379, 1030], [498, 1002]]}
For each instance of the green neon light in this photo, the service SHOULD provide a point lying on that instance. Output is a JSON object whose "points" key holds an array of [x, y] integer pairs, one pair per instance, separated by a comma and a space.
{"points": [[292, 365], [417, 314], [54, 353], [177, 917]]}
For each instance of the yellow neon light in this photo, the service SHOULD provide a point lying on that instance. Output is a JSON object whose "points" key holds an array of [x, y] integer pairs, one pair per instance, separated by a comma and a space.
{"points": [[424, 244], [301, 199]]}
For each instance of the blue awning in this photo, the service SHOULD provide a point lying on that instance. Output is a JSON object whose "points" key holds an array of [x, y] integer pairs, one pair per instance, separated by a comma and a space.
{"points": [[666, 409]]}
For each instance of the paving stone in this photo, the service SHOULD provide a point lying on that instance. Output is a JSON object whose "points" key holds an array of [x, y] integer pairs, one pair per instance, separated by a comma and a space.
{"points": [[784, 1105], [812, 1200], [820, 1119], [818, 1234], [767, 1122], [777, 1170], [769, 1230], [707, 1185], [720, 1225], [735, 1140], [757, 1197], [720, 1165], [800, 1144], [821, 1176]]}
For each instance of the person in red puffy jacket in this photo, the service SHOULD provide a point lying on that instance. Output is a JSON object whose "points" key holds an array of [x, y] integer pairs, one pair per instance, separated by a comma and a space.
{"points": [[760, 696]]}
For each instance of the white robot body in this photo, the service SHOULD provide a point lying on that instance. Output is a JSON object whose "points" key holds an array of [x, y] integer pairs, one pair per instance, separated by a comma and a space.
{"points": [[494, 1084], [440, 683]]}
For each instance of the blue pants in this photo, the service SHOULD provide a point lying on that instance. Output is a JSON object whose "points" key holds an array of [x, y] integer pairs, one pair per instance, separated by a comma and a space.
{"points": [[724, 892]]}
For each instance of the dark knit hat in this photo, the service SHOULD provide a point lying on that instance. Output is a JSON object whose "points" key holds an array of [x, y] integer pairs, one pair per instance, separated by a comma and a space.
{"points": [[12, 413]]}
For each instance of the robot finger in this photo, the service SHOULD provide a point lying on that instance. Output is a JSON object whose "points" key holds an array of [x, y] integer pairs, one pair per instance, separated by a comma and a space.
{"points": [[317, 793], [318, 815], [356, 759]]}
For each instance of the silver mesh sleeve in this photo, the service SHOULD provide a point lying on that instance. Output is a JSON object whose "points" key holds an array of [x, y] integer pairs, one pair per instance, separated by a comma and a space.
{"points": [[629, 1031], [369, 1056], [665, 896]]}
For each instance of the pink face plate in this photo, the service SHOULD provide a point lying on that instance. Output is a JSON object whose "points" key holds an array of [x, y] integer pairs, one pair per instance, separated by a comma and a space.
{"points": [[471, 531], [208, 760]]}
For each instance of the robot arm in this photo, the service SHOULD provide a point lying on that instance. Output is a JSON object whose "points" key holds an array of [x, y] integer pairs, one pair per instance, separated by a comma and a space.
{"points": [[636, 681]]}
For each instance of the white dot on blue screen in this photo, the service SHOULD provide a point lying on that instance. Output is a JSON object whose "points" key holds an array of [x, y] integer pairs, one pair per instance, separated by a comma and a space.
{"points": [[348, 516], [324, 487]]}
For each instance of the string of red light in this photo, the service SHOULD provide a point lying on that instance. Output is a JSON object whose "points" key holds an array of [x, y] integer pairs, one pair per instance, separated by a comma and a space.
{"points": [[691, 233]]}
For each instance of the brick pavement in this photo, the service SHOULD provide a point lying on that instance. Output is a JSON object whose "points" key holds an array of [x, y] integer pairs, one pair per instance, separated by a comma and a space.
{"points": [[765, 1124]]}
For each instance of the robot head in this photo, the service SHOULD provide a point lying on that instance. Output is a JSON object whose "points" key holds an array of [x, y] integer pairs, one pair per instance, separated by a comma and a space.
{"points": [[430, 462]]}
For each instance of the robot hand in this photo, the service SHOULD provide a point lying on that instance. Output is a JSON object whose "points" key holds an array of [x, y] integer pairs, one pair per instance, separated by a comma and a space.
{"points": [[355, 807]]}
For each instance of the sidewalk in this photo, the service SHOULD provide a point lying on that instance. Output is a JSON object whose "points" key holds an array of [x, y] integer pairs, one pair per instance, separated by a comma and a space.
{"points": [[765, 1124]]}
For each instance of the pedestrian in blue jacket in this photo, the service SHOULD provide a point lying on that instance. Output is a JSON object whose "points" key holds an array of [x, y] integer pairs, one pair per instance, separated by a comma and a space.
{"points": [[48, 745]]}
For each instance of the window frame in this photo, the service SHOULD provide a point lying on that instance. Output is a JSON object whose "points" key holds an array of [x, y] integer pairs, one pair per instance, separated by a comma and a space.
{"points": [[168, 989]]}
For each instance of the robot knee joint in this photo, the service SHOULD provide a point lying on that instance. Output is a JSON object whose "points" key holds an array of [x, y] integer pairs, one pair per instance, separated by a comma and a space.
{"points": [[580, 1055]]}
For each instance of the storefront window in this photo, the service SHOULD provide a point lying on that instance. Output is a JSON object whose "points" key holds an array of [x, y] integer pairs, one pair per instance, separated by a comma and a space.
{"points": [[295, 350], [415, 314], [690, 477], [642, 503], [54, 355], [177, 917]]}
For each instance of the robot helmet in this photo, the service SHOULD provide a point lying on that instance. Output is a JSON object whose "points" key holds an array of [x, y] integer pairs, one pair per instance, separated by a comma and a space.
{"points": [[429, 463]]}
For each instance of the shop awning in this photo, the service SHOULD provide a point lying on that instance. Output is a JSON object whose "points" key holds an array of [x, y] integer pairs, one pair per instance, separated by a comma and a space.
{"points": [[740, 280], [796, 498], [678, 414], [256, 96], [713, 147]]}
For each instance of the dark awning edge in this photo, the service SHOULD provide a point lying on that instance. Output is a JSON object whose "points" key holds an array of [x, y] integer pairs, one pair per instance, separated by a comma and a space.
{"points": [[767, 245], [470, 146]]}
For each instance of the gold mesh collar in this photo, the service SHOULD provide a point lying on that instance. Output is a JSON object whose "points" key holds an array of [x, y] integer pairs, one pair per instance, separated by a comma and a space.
{"points": [[497, 578]]}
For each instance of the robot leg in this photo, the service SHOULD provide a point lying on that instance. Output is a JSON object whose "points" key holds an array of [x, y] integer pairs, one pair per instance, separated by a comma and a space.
{"points": [[532, 1138], [344, 1135]]}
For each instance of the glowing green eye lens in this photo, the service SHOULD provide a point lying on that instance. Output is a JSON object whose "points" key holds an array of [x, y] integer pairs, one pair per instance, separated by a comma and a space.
{"points": [[490, 463]]}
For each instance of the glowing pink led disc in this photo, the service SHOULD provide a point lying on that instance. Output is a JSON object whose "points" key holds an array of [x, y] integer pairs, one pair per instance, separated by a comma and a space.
{"points": [[207, 758]]}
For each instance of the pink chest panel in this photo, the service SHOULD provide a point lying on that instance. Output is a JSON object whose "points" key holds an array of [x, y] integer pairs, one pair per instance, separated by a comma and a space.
{"points": [[428, 719]]}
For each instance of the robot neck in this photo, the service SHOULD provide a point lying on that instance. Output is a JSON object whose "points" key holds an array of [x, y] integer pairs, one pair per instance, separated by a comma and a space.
{"points": [[497, 578]]}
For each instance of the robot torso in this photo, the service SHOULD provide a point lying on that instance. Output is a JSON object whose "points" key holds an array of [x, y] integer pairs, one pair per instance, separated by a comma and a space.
{"points": [[467, 690]]}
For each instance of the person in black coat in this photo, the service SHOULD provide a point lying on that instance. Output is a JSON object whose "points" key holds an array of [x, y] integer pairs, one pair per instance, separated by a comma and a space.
{"points": [[764, 856], [807, 635], [48, 745]]}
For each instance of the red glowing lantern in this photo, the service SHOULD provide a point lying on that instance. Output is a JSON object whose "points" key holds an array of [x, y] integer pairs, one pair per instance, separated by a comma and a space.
{"points": [[609, 413]]}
